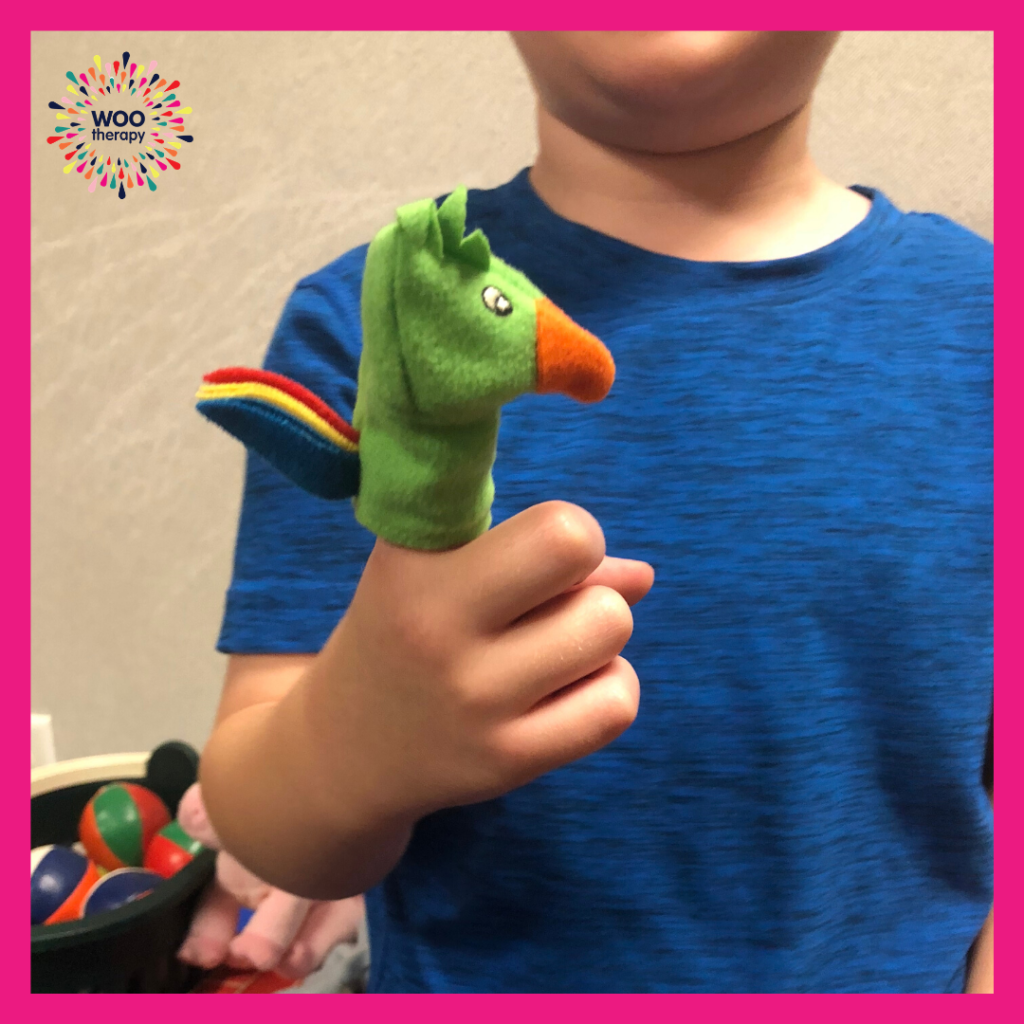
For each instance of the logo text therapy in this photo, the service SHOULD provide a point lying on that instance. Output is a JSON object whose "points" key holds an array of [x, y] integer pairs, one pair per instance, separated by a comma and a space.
{"points": [[119, 118]]}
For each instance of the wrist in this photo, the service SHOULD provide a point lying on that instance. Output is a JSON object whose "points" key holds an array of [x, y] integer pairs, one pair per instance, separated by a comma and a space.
{"points": [[270, 799], [328, 755]]}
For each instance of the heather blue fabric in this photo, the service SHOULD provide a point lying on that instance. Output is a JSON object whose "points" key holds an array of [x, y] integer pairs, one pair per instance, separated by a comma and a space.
{"points": [[802, 448]]}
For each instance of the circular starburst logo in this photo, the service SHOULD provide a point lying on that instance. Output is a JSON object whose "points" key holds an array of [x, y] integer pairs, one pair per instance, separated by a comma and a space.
{"points": [[122, 126]]}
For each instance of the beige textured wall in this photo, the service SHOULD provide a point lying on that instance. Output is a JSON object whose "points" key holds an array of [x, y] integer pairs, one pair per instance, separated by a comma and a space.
{"points": [[304, 145]]}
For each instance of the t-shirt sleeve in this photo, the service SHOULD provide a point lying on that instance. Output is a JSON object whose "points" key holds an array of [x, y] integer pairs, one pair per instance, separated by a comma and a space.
{"points": [[298, 557]]}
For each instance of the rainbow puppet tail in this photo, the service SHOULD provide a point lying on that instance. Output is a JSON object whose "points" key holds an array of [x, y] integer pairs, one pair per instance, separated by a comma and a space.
{"points": [[288, 425]]}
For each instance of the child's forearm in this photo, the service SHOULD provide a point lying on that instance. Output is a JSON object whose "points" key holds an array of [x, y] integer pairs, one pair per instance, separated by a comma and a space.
{"points": [[266, 790], [982, 973]]}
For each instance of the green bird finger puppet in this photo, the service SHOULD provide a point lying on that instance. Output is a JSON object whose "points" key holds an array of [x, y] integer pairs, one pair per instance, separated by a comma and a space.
{"points": [[451, 333]]}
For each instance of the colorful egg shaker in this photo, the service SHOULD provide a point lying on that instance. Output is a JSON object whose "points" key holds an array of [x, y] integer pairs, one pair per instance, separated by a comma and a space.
{"points": [[61, 878], [118, 823], [170, 850], [118, 888]]}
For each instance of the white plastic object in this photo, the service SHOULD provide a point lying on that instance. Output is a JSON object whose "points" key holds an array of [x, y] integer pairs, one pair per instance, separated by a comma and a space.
{"points": [[43, 750], [89, 769]]}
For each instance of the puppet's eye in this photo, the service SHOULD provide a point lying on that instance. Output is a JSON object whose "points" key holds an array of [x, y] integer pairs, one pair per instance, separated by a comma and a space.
{"points": [[495, 301]]}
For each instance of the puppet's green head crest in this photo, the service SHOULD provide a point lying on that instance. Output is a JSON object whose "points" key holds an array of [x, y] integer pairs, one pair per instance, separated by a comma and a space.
{"points": [[442, 231], [464, 321]]}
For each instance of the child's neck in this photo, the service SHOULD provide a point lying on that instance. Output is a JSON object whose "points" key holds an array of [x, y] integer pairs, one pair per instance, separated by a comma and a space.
{"points": [[757, 198]]}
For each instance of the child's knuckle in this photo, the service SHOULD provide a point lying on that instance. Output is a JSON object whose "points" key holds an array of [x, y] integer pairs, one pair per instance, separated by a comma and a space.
{"points": [[607, 614], [619, 704], [572, 536], [470, 692]]}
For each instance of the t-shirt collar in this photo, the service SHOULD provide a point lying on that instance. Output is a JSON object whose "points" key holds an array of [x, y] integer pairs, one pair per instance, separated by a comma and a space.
{"points": [[849, 255]]}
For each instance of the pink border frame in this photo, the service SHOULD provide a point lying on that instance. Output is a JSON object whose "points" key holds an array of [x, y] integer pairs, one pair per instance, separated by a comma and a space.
{"points": [[15, 412]]}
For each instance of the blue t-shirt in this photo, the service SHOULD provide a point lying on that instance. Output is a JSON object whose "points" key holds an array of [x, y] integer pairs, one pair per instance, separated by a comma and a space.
{"points": [[803, 450]]}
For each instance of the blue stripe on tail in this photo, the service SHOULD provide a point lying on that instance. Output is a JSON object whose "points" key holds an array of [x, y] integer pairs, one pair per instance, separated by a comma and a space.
{"points": [[298, 451]]}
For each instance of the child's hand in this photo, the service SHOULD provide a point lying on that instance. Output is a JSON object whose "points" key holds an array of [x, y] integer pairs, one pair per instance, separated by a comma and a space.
{"points": [[456, 676]]}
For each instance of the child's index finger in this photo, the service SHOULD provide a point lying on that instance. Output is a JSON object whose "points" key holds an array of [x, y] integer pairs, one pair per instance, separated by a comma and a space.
{"points": [[629, 576]]}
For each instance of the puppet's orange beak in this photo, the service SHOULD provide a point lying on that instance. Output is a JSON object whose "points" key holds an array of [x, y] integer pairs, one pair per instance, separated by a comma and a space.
{"points": [[570, 360]]}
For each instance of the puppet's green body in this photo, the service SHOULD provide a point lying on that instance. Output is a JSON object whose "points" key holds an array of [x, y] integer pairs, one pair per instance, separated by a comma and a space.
{"points": [[450, 334], [426, 486], [437, 366]]}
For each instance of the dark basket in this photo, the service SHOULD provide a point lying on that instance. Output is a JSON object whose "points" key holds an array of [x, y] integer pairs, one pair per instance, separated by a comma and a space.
{"points": [[131, 949]]}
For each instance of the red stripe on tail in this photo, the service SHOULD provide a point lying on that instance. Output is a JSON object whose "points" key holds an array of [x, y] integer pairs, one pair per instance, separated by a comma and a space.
{"points": [[243, 374]]}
